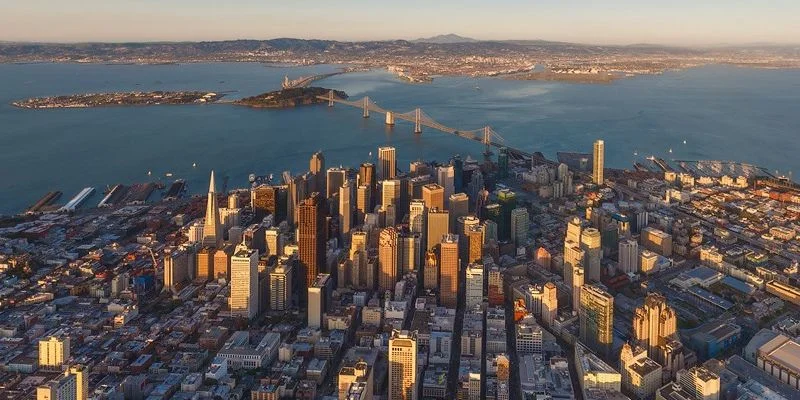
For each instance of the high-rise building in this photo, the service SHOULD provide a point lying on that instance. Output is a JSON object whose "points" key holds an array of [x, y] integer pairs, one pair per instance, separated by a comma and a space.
{"points": [[222, 261], [474, 246], [280, 285], [445, 177], [363, 203], [335, 178], [448, 271], [318, 300], [243, 300], [212, 228], [641, 376], [520, 224], [403, 365], [390, 199], [274, 240], [431, 271], [592, 253], [388, 162], [345, 209], [574, 230], [596, 319], [508, 202], [700, 382], [653, 322], [474, 285], [549, 304], [388, 256], [495, 284], [269, 200], [176, 269], [53, 352], [438, 226], [573, 260], [410, 251], [433, 196], [598, 162], [577, 280], [204, 264], [628, 256], [367, 176], [458, 206], [71, 385], [311, 237], [81, 375], [316, 166], [416, 216]]}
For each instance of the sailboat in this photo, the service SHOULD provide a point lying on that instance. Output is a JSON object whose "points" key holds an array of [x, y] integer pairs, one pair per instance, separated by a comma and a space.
{"points": [[194, 165]]}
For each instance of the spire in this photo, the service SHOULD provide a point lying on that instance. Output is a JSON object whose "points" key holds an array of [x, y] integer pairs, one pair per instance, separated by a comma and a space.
{"points": [[211, 184]]}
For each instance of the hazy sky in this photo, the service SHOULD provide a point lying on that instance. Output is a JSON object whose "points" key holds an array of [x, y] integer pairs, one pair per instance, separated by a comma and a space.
{"points": [[688, 22]]}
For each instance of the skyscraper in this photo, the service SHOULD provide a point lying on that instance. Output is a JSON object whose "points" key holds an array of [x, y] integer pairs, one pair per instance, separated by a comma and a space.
{"points": [[598, 162], [438, 226], [574, 229], [416, 216], [508, 202], [474, 239], [243, 301], [431, 270], [577, 280], [458, 205], [474, 285], [318, 294], [71, 385], [654, 321], [335, 178], [317, 167], [700, 382], [592, 253], [53, 352], [280, 285], [367, 176], [445, 177], [388, 256], [520, 224], [403, 365], [390, 198], [628, 256], [311, 237], [433, 195], [363, 203], [212, 228], [596, 319], [388, 162], [204, 264], [345, 209], [549, 304], [448, 271]]}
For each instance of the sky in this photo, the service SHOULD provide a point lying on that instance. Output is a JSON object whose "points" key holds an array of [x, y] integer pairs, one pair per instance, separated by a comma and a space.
{"points": [[676, 22]]}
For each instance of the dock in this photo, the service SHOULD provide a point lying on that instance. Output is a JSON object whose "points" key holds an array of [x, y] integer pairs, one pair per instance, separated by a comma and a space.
{"points": [[175, 190], [78, 199], [113, 196], [46, 200], [139, 193]]}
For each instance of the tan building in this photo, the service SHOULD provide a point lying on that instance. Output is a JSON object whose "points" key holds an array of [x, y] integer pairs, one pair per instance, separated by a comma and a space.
{"points": [[387, 159], [474, 239], [598, 162], [222, 261], [212, 227], [653, 322], [700, 382], [204, 264], [596, 319], [438, 226], [592, 253], [780, 357], [403, 365], [657, 240], [53, 352], [549, 304], [431, 271], [388, 256], [641, 376], [243, 300], [433, 196], [448, 271]]}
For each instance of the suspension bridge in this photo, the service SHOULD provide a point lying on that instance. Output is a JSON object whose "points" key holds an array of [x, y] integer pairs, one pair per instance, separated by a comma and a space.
{"points": [[486, 135]]}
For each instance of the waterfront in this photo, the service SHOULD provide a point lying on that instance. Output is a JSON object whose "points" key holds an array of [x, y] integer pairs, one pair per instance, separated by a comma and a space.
{"points": [[747, 115]]}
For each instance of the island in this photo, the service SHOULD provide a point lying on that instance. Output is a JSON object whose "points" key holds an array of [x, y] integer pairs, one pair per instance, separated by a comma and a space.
{"points": [[288, 98], [88, 100], [568, 75]]}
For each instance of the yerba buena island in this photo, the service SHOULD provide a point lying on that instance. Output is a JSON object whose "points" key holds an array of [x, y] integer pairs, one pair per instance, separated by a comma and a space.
{"points": [[571, 200]]}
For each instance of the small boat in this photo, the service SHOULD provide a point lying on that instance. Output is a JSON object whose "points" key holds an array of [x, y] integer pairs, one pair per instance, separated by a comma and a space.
{"points": [[684, 141], [149, 173], [636, 153], [168, 174], [194, 165], [477, 88], [670, 150]]}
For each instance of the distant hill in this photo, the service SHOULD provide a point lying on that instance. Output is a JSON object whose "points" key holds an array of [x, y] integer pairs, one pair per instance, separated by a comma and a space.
{"points": [[446, 39]]}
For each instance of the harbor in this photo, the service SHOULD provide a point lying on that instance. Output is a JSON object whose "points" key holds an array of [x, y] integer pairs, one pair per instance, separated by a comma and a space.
{"points": [[79, 199]]}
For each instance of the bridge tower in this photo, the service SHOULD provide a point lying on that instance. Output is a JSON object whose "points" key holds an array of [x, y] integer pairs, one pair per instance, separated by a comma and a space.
{"points": [[330, 98], [366, 107], [418, 121], [389, 118], [487, 141]]}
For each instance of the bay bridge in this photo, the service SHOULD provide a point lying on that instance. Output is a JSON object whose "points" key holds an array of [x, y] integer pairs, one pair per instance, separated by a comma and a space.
{"points": [[486, 135]]}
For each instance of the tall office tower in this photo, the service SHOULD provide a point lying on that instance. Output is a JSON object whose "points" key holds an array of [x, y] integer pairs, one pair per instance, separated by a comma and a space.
{"points": [[388, 257], [335, 178], [508, 201], [489, 231], [481, 200], [641, 376], [204, 264], [388, 163], [280, 285], [316, 166], [474, 284], [233, 200], [438, 226], [549, 304], [254, 236], [445, 177], [475, 185], [410, 252], [212, 228], [520, 224], [654, 321], [700, 382], [363, 201], [243, 301], [416, 216], [222, 261], [416, 184], [64, 387], [53, 352], [367, 176], [176, 270], [297, 192], [458, 171], [358, 241], [502, 163], [81, 374], [431, 271], [318, 299], [628, 256], [417, 168], [577, 282], [403, 365], [474, 239], [573, 256], [462, 227], [598, 162], [574, 230], [458, 205], [390, 194], [433, 196], [448, 271], [592, 253], [562, 170], [596, 319], [274, 241], [311, 237], [345, 209], [495, 284]]}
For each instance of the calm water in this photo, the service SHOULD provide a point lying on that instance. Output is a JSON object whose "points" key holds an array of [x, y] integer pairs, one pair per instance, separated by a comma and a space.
{"points": [[722, 112]]}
